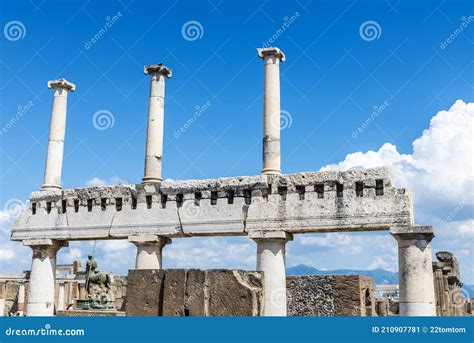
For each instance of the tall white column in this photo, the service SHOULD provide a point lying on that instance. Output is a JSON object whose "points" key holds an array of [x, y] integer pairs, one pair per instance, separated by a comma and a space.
{"points": [[21, 299], [154, 135], [149, 249], [271, 260], [61, 297], [42, 276], [57, 129], [2, 299], [416, 284], [271, 109]]}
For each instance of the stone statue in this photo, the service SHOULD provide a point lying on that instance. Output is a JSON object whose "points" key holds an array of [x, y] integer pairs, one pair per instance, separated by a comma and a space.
{"points": [[99, 293], [96, 277]]}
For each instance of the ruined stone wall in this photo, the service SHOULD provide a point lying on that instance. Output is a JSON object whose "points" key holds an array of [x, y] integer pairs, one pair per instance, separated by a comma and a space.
{"points": [[330, 295], [119, 288], [194, 292], [451, 299], [11, 294]]}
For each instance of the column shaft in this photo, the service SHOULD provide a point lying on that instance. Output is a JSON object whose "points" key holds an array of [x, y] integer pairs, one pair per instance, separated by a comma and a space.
{"points": [[2, 299], [271, 260], [416, 284], [271, 110], [21, 299], [154, 137], [57, 129], [42, 277], [149, 251], [61, 297]]}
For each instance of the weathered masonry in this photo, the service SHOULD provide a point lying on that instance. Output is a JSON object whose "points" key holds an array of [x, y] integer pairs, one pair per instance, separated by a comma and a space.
{"points": [[268, 208]]}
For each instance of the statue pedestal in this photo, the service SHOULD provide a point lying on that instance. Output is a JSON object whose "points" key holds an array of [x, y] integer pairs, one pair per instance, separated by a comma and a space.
{"points": [[90, 313], [99, 298]]}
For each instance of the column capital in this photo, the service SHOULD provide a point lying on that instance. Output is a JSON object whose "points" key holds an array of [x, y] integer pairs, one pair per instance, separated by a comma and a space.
{"points": [[158, 69], [62, 83], [282, 236], [143, 239], [417, 232], [272, 51], [45, 242]]}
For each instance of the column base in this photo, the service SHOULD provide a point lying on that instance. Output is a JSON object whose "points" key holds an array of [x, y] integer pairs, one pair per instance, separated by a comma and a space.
{"points": [[269, 171], [151, 180], [417, 309], [47, 187]]}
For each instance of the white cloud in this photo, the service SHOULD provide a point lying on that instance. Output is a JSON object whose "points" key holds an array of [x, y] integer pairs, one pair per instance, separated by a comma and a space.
{"points": [[72, 254], [6, 254], [440, 173]]}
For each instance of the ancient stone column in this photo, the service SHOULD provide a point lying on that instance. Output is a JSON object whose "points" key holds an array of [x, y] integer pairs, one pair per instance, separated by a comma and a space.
{"points": [[149, 249], [61, 297], [417, 295], [21, 299], [271, 109], [2, 299], [57, 129], [82, 291], [43, 276], [154, 135], [271, 260]]}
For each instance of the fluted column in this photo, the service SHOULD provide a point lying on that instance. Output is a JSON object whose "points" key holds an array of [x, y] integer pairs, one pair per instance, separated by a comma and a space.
{"points": [[416, 284], [149, 249], [57, 129], [154, 136], [271, 109]]}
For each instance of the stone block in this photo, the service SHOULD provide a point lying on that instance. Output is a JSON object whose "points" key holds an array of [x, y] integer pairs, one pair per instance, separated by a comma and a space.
{"points": [[174, 290], [235, 293], [195, 297], [194, 292], [144, 292]]}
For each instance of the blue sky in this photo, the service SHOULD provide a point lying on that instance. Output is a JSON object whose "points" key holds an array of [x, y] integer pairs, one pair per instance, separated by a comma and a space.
{"points": [[333, 79]]}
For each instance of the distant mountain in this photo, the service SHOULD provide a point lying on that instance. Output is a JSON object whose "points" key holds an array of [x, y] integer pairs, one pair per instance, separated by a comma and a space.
{"points": [[380, 276]]}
